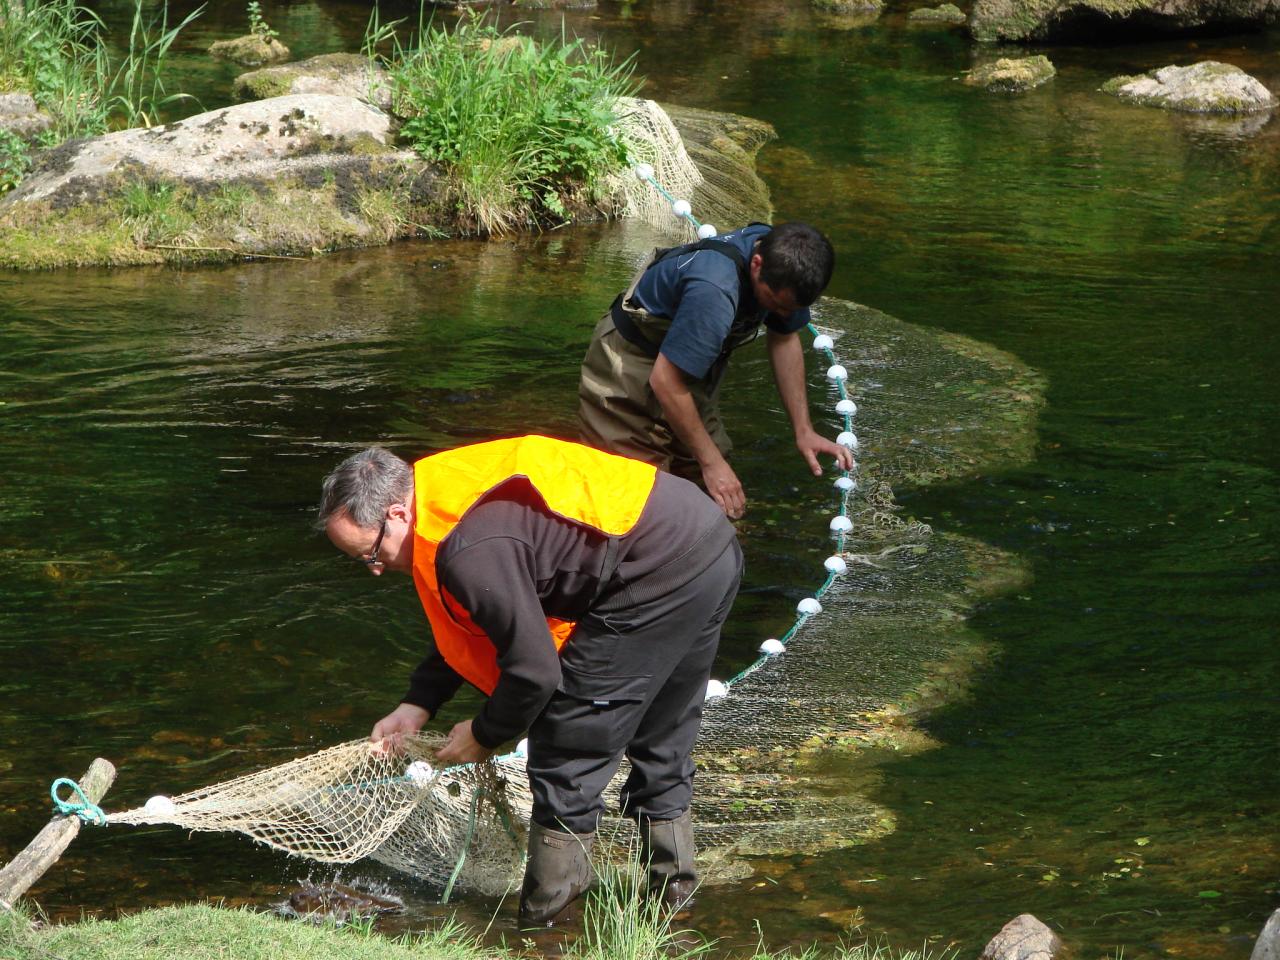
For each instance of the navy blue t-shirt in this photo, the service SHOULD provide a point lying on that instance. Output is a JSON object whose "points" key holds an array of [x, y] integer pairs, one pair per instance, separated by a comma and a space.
{"points": [[699, 292]]}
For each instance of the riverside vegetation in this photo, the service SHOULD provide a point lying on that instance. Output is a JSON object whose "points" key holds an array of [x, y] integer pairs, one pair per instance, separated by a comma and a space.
{"points": [[616, 925]]}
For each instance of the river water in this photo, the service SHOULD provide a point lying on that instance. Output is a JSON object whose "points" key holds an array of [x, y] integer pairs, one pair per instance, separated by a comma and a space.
{"points": [[1114, 768]]}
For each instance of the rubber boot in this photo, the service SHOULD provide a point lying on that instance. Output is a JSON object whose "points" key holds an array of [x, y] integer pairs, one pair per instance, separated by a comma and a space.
{"points": [[557, 873], [666, 848]]}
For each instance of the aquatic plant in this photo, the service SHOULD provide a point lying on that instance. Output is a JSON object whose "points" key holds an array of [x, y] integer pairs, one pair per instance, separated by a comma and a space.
{"points": [[257, 25], [524, 129], [136, 92], [15, 160]]}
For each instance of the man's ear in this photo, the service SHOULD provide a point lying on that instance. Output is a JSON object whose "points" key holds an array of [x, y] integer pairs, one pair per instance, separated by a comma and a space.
{"points": [[399, 511], [755, 265]]}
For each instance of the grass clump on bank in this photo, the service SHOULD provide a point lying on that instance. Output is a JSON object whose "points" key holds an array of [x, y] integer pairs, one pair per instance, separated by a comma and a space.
{"points": [[56, 51], [524, 130]]}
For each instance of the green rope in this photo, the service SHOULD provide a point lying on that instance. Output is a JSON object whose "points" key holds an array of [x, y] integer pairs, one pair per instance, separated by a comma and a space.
{"points": [[466, 845], [84, 808]]}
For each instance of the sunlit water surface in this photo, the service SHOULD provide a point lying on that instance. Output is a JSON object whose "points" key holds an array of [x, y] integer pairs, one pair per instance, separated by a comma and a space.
{"points": [[1114, 770]]}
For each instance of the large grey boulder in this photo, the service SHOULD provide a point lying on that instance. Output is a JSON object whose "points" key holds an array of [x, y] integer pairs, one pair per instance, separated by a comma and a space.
{"points": [[1011, 75], [259, 140], [21, 117], [1023, 938], [1205, 87], [1268, 945], [340, 74], [1099, 19]]}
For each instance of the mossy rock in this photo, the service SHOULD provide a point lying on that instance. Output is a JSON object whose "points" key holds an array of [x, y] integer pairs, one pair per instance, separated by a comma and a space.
{"points": [[341, 74], [947, 13], [1205, 87], [250, 51], [1011, 75], [1095, 21], [855, 8]]}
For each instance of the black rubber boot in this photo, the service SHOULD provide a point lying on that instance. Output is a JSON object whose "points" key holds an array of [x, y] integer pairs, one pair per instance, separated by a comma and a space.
{"points": [[557, 873], [667, 850]]}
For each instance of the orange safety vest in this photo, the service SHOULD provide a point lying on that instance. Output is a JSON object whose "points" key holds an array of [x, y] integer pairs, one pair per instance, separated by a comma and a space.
{"points": [[599, 490]]}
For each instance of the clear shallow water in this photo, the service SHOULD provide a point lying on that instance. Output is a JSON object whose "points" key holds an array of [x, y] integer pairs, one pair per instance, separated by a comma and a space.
{"points": [[165, 433]]}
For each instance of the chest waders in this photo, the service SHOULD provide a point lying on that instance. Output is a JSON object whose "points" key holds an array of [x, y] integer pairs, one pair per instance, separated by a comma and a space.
{"points": [[618, 410]]}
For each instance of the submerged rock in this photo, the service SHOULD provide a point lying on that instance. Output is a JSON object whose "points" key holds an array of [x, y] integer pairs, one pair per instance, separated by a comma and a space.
{"points": [[855, 8], [1023, 938], [1011, 75], [1098, 20], [947, 13], [1206, 87], [21, 117], [339, 74], [250, 51]]}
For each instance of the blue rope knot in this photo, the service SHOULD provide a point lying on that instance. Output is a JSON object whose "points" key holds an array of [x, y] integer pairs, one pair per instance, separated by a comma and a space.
{"points": [[84, 808]]}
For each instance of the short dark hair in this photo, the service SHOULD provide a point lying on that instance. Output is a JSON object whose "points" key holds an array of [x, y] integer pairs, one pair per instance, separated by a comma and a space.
{"points": [[797, 257]]}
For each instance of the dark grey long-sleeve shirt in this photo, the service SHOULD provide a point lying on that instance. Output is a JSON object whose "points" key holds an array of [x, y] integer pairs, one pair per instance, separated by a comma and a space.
{"points": [[511, 563]]}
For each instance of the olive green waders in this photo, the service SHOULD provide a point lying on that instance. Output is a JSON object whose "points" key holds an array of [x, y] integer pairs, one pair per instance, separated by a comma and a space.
{"points": [[618, 411]]}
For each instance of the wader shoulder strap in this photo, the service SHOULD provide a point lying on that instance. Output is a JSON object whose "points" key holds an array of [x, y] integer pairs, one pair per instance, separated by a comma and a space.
{"points": [[628, 328]]}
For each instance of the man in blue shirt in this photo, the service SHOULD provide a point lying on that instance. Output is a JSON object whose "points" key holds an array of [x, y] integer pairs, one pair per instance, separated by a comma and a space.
{"points": [[651, 377]]}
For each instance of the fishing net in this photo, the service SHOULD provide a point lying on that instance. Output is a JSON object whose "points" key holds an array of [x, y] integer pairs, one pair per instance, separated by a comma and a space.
{"points": [[701, 156], [777, 756]]}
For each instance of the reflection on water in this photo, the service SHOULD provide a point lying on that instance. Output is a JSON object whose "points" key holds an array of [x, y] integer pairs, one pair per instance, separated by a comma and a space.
{"points": [[164, 433]]}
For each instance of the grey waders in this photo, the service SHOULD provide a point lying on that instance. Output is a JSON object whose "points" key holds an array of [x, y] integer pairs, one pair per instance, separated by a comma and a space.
{"points": [[557, 873], [667, 850]]}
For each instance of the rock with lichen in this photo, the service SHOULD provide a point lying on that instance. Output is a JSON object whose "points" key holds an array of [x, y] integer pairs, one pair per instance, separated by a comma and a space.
{"points": [[251, 50], [1099, 20], [20, 116], [1011, 75], [947, 13], [339, 74], [1023, 938], [1205, 87]]}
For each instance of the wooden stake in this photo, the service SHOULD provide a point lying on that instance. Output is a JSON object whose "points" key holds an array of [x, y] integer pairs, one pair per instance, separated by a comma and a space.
{"points": [[43, 852]]}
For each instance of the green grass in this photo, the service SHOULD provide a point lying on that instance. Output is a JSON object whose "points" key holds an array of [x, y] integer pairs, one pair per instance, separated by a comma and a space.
{"points": [[523, 129]]}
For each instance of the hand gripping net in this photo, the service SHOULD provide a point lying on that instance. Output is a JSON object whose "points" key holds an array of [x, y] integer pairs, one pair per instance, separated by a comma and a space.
{"points": [[349, 802]]}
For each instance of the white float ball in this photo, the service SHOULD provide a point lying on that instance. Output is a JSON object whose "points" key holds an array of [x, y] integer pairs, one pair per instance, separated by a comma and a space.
{"points": [[644, 171], [707, 231], [772, 647], [809, 606], [835, 564], [847, 439], [522, 748], [681, 208], [419, 771], [716, 690], [841, 524], [845, 483], [837, 372], [159, 806], [823, 342], [847, 407]]}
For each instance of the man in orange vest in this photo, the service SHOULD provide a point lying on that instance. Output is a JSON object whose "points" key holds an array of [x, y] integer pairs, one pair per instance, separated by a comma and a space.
{"points": [[583, 593]]}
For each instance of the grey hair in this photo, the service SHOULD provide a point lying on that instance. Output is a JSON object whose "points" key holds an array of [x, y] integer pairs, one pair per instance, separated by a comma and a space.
{"points": [[363, 486]]}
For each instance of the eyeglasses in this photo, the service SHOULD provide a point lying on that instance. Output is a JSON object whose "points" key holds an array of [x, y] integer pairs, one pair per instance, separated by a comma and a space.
{"points": [[372, 559]]}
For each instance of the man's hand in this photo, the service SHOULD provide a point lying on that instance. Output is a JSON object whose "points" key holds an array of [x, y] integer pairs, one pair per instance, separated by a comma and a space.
{"points": [[391, 729], [462, 747], [811, 443], [725, 487]]}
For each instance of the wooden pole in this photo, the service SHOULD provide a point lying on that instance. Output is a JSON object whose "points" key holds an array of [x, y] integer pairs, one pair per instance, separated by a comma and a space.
{"points": [[43, 852]]}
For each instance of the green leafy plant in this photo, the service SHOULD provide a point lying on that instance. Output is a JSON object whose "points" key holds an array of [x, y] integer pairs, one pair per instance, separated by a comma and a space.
{"points": [[15, 160], [136, 92], [523, 128], [258, 26]]}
